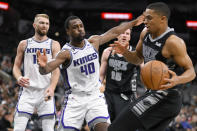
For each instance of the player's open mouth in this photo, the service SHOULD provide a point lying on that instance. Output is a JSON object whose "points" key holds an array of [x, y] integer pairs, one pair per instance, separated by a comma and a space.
{"points": [[146, 26]]}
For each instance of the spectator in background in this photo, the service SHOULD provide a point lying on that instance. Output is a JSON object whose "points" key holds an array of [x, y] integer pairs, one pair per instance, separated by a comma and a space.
{"points": [[6, 64]]}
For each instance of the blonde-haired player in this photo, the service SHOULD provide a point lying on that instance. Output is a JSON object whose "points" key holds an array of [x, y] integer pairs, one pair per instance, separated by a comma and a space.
{"points": [[37, 90]]}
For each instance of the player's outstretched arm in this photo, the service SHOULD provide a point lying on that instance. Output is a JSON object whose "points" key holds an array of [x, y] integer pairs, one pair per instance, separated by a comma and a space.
{"points": [[114, 32], [45, 68], [134, 57]]}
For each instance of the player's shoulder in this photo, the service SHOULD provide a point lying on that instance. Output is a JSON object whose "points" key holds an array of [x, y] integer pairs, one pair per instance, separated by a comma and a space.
{"points": [[92, 38], [55, 45], [55, 42], [175, 44], [64, 53], [143, 33], [23, 43], [107, 51], [174, 40]]}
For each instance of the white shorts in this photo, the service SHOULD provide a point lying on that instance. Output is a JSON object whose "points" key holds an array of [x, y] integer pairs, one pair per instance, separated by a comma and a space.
{"points": [[79, 107], [31, 99]]}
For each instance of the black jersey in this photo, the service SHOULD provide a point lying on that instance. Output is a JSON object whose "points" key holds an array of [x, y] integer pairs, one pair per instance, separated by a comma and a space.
{"points": [[152, 49], [120, 74]]}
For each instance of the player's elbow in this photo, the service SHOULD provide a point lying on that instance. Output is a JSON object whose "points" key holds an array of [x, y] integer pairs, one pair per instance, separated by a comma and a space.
{"points": [[42, 71], [193, 75]]}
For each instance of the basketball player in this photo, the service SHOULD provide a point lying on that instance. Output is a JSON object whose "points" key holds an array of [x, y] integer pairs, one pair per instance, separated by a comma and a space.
{"points": [[120, 77], [37, 90], [156, 109], [79, 62]]}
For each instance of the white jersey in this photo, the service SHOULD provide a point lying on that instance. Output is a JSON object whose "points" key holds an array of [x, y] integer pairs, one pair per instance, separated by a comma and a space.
{"points": [[82, 73], [31, 68]]}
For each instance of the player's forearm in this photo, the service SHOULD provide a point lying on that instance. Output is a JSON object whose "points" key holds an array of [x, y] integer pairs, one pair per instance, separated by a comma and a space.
{"points": [[16, 72], [116, 31], [45, 70], [187, 76], [55, 78], [50, 66], [132, 57], [102, 73]]}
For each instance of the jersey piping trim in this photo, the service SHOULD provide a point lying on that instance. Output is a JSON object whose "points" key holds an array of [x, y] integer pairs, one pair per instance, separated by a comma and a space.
{"points": [[39, 41], [77, 47], [157, 38]]}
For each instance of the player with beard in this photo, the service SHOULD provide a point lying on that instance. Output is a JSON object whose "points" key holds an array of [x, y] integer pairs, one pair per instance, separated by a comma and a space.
{"points": [[37, 90], [79, 63]]}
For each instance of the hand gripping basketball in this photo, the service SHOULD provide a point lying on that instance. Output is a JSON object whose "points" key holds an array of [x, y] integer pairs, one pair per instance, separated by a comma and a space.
{"points": [[153, 75]]}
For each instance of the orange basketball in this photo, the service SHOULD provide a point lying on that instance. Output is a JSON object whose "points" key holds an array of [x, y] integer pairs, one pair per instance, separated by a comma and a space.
{"points": [[153, 73]]}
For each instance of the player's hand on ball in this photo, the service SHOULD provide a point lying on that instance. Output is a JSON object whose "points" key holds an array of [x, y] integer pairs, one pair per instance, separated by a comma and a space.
{"points": [[171, 82], [41, 59]]}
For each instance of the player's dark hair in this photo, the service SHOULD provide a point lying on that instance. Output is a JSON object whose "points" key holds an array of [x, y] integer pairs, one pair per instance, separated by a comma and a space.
{"points": [[160, 8], [66, 23]]}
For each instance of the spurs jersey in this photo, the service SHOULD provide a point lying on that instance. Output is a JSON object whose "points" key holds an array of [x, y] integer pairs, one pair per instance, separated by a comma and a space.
{"points": [[152, 49], [31, 68], [120, 74], [82, 73]]}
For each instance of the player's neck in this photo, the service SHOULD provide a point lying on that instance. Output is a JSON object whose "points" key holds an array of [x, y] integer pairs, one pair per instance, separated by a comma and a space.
{"points": [[159, 32], [78, 44], [40, 38]]}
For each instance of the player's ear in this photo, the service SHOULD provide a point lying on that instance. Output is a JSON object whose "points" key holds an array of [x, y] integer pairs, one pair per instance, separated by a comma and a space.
{"points": [[67, 31], [34, 25], [163, 17]]}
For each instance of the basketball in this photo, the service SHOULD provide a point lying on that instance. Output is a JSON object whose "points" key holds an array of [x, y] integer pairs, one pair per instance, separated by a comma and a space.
{"points": [[153, 73]]}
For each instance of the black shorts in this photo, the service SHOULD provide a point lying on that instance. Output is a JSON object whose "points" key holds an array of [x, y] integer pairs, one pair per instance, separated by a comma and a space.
{"points": [[153, 111], [116, 102]]}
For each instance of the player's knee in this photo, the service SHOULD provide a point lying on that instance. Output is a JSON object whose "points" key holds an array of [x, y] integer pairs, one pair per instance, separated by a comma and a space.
{"points": [[101, 126], [48, 123], [19, 126], [20, 121]]}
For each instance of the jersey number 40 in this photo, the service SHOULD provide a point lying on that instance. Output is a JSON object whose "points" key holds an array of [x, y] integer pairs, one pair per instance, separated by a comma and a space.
{"points": [[88, 69]]}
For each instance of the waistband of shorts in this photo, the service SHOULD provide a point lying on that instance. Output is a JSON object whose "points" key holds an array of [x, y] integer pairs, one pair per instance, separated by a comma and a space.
{"points": [[119, 92]]}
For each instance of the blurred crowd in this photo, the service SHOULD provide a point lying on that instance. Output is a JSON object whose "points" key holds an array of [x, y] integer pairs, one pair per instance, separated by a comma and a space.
{"points": [[9, 91]]}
